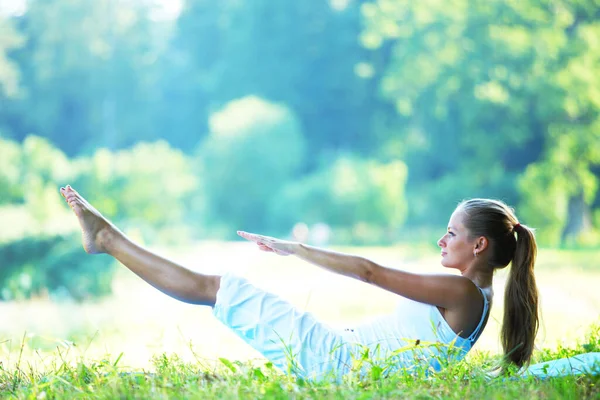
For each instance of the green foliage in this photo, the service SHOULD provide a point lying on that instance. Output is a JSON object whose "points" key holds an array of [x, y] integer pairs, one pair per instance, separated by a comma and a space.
{"points": [[493, 87], [38, 266], [547, 211], [253, 149], [29, 171], [87, 74], [362, 200], [156, 186], [565, 175], [495, 99], [304, 55], [435, 200], [29, 202], [151, 187], [36, 258], [9, 71], [10, 154]]}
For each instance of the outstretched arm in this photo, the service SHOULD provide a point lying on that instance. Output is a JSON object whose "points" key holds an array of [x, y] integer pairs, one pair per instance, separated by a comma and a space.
{"points": [[446, 291]]}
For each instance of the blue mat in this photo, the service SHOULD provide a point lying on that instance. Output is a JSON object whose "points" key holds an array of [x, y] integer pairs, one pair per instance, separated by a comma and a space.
{"points": [[588, 363]]}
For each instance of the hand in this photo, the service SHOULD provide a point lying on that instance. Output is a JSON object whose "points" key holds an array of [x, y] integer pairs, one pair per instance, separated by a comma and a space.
{"points": [[271, 244]]}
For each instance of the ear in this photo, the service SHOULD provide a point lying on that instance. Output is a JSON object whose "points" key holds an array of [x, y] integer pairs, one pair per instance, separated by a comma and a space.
{"points": [[481, 243]]}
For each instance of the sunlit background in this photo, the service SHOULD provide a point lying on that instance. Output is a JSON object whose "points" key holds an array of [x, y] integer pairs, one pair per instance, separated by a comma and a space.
{"points": [[351, 124]]}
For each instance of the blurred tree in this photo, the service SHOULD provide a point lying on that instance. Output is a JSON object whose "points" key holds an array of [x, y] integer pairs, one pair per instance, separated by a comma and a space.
{"points": [[559, 190], [453, 87], [85, 74], [304, 55], [362, 200], [29, 174], [55, 265], [191, 80], [39, 247], [10, 189], [481, 90], [253, 149], [155, 189], [150, 188], [9, 72], [10, 40]]}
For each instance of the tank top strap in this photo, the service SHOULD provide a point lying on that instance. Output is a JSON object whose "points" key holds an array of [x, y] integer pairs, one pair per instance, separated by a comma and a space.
{"points": [[486, 305]]}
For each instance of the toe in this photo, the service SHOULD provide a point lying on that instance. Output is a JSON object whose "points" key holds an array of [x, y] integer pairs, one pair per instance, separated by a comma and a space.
{"points": [[76, 193], [75, 206], [69, 189]]}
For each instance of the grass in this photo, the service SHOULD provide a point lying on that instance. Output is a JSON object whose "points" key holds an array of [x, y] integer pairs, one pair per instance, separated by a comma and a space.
{"points": [[174, 378], [141, 344]]}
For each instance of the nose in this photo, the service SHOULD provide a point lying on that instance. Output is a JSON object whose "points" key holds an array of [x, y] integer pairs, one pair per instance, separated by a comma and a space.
{"points": [[441, 242]]}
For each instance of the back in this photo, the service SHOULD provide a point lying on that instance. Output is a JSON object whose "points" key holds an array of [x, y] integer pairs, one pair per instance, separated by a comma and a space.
{"points": [[415, 333]]}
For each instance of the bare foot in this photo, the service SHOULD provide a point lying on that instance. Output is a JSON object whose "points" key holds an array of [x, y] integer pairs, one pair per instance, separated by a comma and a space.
{"points": [[96, 230]]}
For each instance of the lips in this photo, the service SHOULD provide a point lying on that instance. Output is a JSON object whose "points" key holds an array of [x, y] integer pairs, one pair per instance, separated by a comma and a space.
{"points": [[444, 253]]}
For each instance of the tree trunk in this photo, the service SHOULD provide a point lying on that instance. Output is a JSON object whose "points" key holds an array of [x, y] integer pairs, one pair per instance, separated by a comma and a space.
{"points": [[579, 218]]}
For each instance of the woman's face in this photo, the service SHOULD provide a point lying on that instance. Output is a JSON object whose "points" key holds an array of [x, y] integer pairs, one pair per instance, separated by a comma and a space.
{"points": [[457, 247]]}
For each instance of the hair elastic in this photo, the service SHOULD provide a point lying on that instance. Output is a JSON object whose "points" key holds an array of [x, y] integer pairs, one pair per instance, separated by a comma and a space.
{"points": [[517, 225]]}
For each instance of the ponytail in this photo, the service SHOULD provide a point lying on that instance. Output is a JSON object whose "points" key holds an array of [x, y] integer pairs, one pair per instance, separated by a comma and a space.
{"points": [[521, 320]]}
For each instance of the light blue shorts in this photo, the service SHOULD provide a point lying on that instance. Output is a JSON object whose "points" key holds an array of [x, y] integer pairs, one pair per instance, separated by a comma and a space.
{"points": [[294, 341]]}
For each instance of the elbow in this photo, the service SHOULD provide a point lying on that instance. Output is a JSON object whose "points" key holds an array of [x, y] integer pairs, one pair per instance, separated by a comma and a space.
{"points": [[368, 271]]}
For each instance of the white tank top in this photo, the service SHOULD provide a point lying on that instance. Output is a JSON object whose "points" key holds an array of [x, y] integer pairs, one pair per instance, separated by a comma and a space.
{"points": [[415, 333]]}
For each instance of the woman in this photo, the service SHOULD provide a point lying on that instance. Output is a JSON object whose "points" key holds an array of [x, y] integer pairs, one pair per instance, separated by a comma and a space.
{"points": [[438, 314]]}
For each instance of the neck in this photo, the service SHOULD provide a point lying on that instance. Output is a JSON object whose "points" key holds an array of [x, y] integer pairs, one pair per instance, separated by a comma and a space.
{"points": [[481, 276]]}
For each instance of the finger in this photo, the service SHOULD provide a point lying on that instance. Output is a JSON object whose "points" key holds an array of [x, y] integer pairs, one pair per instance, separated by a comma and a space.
{"points": [[266, 248], [261, 245], [250, 236], [268, 239], [255, 236]]}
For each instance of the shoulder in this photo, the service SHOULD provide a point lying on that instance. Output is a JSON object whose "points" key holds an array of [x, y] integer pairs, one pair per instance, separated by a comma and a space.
{"points": [[472, 301], [468, 289], [465, 291], [459, 292]]}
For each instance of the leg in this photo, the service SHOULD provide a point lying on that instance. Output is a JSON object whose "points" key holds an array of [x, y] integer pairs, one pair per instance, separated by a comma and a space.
{"points": [[101, 236]]}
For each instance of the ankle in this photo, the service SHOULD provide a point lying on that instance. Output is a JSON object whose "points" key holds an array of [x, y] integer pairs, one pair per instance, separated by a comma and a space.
{"points": [[110, 239]]}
